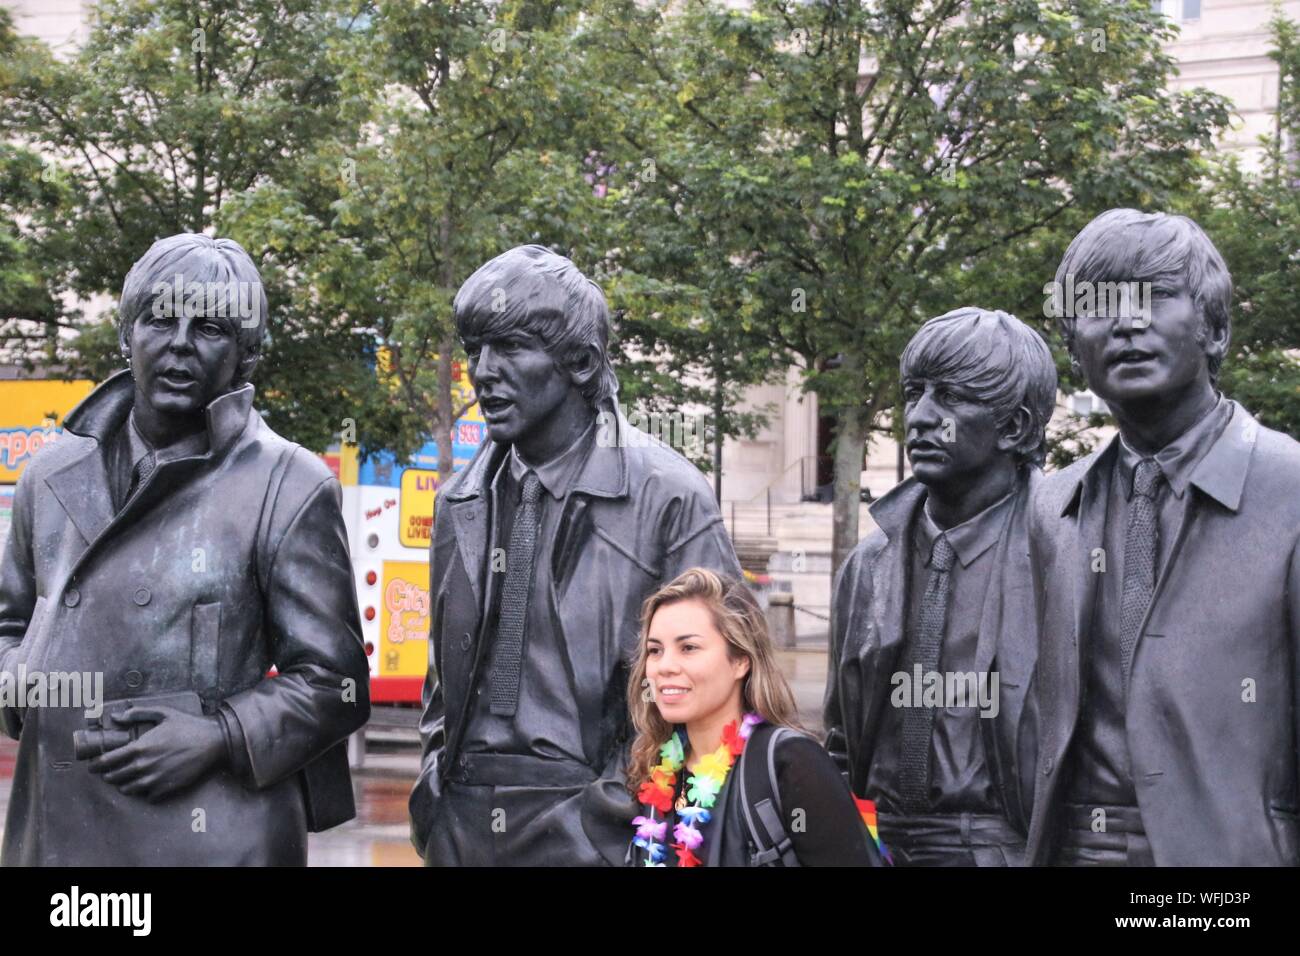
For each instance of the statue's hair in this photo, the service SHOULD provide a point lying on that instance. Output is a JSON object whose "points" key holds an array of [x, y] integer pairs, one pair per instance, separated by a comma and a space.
{"points": [[739, 619], [220, 265], [532, 289], [1127, 245], [997, 359]]}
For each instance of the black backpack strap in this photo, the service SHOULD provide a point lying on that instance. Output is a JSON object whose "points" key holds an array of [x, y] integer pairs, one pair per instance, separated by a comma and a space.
{"points": [[760, 799]]}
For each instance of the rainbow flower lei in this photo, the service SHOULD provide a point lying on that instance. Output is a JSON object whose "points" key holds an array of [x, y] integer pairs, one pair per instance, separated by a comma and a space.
{"points": [[702, 790]]}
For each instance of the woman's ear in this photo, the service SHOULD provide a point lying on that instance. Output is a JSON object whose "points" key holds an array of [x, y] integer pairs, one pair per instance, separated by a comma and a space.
{"points": [[740, 667]]}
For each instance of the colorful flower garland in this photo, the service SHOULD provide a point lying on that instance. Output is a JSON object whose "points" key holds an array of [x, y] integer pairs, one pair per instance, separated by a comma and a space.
{"points": [[702, 790]]}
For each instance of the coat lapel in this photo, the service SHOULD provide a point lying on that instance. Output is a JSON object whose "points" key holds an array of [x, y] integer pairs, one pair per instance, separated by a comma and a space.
{"points": [[1090, 529], [884, 635], [1221, 475], [81, 487]]}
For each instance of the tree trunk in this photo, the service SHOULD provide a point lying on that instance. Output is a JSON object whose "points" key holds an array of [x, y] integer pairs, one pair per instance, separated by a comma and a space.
{"points": [[444, 426], [850, 444]]}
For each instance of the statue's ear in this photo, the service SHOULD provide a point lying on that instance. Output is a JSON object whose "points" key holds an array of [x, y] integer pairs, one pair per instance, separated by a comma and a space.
{"points": [[1013, 432], [124, 340], [247, 362], [583, 364]]}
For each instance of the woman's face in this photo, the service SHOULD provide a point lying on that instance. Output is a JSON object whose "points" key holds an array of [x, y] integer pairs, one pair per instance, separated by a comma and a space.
{"points": [[690, 673]]}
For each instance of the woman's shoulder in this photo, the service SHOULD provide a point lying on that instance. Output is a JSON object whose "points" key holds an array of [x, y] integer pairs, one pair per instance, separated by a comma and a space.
{"points": [[800, 750]]}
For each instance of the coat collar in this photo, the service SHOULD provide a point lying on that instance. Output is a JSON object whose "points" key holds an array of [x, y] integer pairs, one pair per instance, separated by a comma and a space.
{"points": [[604, 474], [81, 486], [893, 513], [1221, 472], [101, 413]]}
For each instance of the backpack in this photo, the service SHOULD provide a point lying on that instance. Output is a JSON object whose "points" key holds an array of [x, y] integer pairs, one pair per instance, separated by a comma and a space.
{"points": [[770, 844]]}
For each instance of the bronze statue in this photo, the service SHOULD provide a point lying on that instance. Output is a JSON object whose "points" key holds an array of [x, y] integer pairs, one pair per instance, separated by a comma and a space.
{"points": [[1168, 567], [174, 549], [933, 638], [543, 549]]}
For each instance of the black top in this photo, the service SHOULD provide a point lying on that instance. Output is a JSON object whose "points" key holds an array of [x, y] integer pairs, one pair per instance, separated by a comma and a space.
{"points": [[820, 816], [833, 833]]}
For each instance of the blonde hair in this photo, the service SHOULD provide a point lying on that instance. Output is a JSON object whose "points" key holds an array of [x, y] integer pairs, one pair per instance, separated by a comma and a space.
{"points": [[740, 621]]}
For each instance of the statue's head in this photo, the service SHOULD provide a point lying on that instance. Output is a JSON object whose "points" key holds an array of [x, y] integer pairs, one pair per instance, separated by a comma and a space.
{"points": [[191, 321], [1144, 305], [978, 387], [536, 331]]}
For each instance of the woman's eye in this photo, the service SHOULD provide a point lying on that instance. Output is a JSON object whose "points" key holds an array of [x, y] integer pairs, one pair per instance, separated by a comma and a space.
{"points": [[211, 328]]}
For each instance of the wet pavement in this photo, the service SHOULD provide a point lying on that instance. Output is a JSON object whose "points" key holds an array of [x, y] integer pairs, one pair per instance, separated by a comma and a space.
{"points": [[378, 836]]}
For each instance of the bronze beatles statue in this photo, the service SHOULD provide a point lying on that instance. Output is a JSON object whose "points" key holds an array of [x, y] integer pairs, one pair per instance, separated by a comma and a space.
{"points": [[176, 548], [932, 638], [544, 548], [1168, 573]]}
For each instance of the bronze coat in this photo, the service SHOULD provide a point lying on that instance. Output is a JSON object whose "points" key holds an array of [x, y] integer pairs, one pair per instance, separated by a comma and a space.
{"points": [[179, 592], [1216, 776], [639, 514], [867, 635]]}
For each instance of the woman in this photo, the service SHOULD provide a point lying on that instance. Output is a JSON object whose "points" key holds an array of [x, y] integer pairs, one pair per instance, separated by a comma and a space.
{"points": [[705, 688]]}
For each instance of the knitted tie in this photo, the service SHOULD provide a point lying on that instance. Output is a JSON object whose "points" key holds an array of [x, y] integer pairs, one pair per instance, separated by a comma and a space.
{"points": [[1140, 545], [918, 721], [514, 602], [140, 474]]}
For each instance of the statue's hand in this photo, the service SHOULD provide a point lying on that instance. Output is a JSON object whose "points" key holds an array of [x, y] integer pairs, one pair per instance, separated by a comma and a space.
{"points": [[179, 751]]}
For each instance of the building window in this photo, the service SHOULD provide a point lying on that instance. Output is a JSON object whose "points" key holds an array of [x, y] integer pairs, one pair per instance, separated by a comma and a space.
{"points": [[1180, 11], [1086, 403]]}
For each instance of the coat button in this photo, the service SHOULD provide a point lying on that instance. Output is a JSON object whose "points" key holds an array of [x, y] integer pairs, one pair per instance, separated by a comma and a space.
{"points": [[134, 678], [1047, 767], [142, 596], [465, 641], [72, 597]]}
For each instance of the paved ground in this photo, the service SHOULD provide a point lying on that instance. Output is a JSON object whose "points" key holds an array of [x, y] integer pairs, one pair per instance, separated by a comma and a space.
{"points": [[378, 835]]}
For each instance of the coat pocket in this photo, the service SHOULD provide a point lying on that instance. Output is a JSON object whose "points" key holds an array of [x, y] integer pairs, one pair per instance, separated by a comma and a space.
{"points": [[205, 645]]}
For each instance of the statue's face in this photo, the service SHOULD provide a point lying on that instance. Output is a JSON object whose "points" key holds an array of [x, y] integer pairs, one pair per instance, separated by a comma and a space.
{"points": [[1125, 362], [951, 434], [181, 363], [518, 384]]}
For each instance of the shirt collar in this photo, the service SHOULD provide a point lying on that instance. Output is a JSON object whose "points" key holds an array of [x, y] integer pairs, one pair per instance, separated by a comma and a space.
{"points": [[1179, 461], [556, 475], [972, 537], [138, 446]]}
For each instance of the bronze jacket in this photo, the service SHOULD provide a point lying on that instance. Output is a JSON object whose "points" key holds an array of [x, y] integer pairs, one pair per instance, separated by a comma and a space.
{"points": [[638, 515], [221, 566], [1212, 717], [867, 634]]}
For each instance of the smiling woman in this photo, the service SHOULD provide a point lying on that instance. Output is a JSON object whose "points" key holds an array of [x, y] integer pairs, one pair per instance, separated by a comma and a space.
{"points": [[706, 689]]}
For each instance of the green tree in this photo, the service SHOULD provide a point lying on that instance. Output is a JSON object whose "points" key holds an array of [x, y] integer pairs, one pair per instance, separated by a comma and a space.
{"points": [[883, 157], [1253, 216], [169, 110]]}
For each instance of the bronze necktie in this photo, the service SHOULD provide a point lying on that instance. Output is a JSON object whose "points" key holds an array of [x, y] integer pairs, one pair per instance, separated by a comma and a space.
{"points": [[509, 650], [918, 721], [1141, 545]]}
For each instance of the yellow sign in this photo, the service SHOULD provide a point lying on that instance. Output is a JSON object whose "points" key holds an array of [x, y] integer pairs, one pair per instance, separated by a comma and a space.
{"points": [[404, 620], [31, 412], [415, 518]]}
